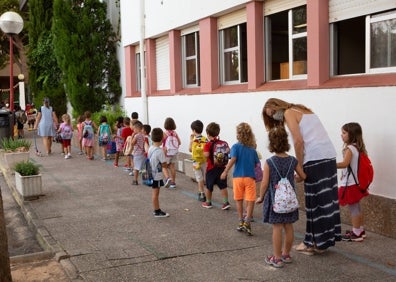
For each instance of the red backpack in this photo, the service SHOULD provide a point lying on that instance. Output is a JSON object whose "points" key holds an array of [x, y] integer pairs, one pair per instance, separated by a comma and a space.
{"points": [[365, 172]]}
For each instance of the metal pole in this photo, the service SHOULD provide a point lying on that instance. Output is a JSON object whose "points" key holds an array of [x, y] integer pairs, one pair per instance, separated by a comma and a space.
{"points": [[11, 75]]}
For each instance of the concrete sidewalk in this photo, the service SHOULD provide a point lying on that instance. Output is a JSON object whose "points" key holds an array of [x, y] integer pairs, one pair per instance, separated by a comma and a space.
{"points": [[101, 228]]}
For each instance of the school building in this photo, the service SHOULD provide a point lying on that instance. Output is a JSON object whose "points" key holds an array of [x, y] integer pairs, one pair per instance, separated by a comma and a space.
{"points": [[221, 60]]}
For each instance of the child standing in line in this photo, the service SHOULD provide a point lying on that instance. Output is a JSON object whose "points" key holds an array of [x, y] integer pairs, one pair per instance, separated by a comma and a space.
{"points": [[158, 165], [66, 132], [88, 140], [244, 156], [147, 139], [138, 152], [282, 162], [352, 136], [80, 120], [104, 135], [213, 172], [125, 133], [170, 145], [118, 139], [197, 143]]}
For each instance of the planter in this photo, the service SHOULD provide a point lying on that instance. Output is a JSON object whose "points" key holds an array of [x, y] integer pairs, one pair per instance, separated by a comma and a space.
{"points": [[11, 158], [28, 186]]}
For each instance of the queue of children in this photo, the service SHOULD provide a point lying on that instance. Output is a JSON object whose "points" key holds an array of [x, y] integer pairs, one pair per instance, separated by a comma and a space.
{"points": [[213, 159]]}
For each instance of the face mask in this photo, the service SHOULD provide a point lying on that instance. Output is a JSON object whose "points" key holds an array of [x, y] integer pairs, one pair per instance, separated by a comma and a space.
{"points": [[278, 115]]}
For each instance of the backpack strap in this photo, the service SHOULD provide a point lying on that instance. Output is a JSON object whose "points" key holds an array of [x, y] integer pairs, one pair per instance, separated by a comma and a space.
{"points": [[211, 153], [278, 170]]}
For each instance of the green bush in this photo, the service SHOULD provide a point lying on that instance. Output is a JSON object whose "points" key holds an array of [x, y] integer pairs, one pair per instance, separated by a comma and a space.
{"points": [[111, 112], [27, 168], [15, 145]]}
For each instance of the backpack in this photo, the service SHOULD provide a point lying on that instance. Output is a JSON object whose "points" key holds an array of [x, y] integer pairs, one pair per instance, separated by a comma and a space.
{"points": [[128, 146], [88, 132], [104, 136], [285, 199], [21, 117], [171, 143], [219, 153], [365, 172], [66, 132], [197, 149], [147, 172]]}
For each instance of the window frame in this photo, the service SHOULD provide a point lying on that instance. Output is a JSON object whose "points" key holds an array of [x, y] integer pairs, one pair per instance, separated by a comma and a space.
{"points": [[186, 58], [291, 37], [239, 50], [370, 19]]}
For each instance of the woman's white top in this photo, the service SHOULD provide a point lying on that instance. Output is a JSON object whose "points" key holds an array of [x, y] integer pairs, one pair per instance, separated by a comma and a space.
{"points": [[317, 144]]}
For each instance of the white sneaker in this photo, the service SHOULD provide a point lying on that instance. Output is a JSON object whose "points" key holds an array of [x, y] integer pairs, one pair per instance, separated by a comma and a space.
{"points": [[69, 155]]}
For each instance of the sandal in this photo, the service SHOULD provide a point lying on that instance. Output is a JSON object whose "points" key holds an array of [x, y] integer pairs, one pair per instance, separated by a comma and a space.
{"points": [[303, 249], [286, 259], [273, 261]]}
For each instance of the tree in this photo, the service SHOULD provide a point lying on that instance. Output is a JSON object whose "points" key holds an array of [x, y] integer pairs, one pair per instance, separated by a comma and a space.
{"points": [[45, 74], [84, 45], [5, 271]]}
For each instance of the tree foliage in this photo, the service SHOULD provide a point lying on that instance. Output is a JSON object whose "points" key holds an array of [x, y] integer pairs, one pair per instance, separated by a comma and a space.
{"points": [[84, 46], [45, 74]]}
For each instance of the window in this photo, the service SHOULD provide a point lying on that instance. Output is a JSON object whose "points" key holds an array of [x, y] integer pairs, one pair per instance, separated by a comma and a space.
{"points": [[138, 71], [233, 54], [190, 57], [286, 50], [364, 44], [382, 46]]}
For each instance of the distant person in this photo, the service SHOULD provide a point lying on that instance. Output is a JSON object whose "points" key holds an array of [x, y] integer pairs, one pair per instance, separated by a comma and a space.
{"points": [[244, 156], [46, 123], [316, 153], [197, 144], [138, 152], [88, 135], [80, 121], [134, 117], [126, 132], [158, 165], [21, 119], [215, 165], [104, 136], [66, 133], [118, 139], [285, 165], [31, 116], [352, 136], [170, 145]]}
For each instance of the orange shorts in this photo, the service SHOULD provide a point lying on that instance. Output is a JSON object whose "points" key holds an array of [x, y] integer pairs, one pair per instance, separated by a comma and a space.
{"points": [[244, 188]]}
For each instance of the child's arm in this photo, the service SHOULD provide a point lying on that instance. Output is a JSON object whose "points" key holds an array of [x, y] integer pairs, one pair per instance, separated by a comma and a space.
{"points": [[264, 184], [165, 170], [228, 167], [191, 142], [347, 159]]}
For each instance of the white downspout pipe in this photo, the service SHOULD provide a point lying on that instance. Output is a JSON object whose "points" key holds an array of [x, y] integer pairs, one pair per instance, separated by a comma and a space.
{"points": [[142, 64]]}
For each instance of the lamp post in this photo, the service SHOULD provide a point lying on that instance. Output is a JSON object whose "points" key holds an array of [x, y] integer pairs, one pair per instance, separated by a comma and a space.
{"points": [[11, 23]]}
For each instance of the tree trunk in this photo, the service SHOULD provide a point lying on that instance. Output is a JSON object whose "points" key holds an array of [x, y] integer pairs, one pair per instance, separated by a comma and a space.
{"points": [[5, 271]]}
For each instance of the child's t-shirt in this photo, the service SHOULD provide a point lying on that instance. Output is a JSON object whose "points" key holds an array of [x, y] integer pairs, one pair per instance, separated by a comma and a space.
{"points": [[246, 159], [138, 148], [157, 158]]}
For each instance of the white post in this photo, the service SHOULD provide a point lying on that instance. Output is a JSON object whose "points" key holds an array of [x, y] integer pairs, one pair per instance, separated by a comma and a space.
{"points": [[142, 64], [22, 101]]}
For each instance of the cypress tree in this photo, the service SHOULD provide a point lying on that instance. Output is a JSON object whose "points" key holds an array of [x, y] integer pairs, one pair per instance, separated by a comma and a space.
{"points": [[85, 50], [45, 76]]}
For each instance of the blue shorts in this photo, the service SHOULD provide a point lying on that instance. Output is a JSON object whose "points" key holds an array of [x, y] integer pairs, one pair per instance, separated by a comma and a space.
{"points": [[213, 178]]}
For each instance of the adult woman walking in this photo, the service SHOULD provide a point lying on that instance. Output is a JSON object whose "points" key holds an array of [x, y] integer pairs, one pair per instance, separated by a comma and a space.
{"points": [[315, 151], [46, 123]]}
